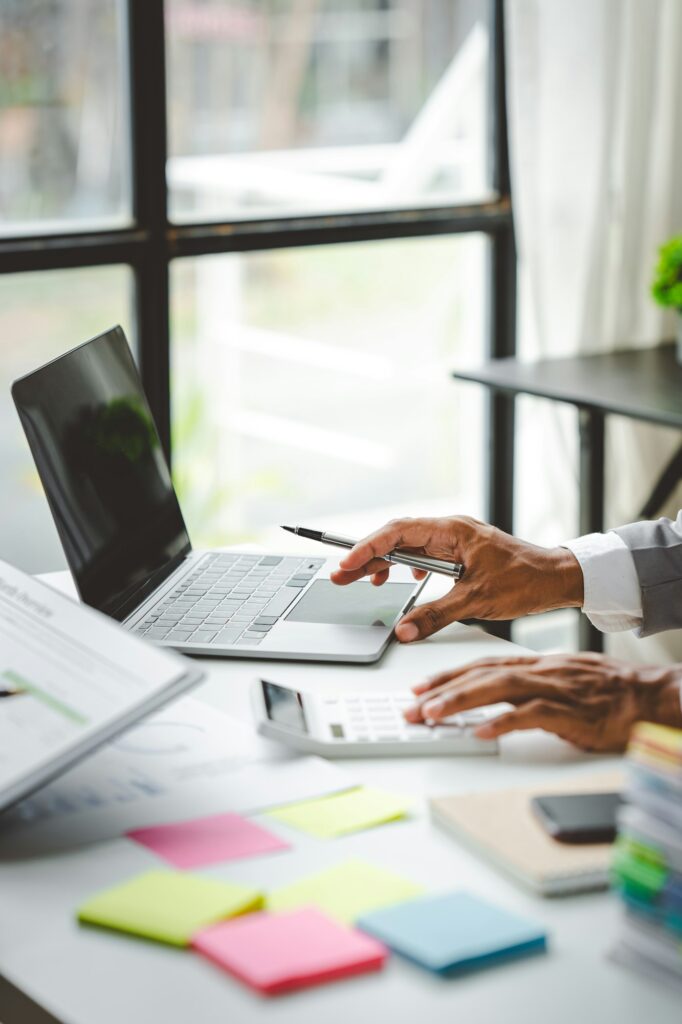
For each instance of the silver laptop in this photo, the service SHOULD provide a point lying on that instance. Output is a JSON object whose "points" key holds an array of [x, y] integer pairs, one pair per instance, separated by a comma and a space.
{"points": [[98, 454]]}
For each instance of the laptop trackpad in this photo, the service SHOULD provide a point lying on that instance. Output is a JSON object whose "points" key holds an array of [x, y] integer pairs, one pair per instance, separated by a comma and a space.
{"points": [[358, 604]]}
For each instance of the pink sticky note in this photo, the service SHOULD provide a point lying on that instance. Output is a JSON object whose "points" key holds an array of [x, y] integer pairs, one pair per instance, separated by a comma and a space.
{"points": [[279, 952], [191, 844]]}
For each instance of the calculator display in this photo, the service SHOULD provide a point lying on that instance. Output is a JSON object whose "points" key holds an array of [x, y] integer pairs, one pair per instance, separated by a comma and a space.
{"points": [[284, 706]]}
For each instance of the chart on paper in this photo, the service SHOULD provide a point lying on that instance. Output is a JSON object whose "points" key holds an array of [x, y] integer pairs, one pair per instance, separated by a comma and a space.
{"points": [[66, 674], [187, 760]]}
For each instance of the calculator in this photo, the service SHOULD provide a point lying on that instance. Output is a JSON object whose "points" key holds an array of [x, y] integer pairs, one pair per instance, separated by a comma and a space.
{"points": [[363, 724]]}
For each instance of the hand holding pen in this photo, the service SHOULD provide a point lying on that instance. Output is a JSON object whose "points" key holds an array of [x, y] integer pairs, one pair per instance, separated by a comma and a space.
{"points": [[503, 578], [421, 562]]}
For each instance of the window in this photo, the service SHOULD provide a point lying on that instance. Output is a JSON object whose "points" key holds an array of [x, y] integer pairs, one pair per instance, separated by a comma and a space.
{"points": [[313, 382], [64, 147], [300, 211], [42, 315], [326, 105]]}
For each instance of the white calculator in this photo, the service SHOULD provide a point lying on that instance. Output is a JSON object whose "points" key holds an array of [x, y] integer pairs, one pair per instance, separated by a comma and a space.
{"points": [[361, 724]]}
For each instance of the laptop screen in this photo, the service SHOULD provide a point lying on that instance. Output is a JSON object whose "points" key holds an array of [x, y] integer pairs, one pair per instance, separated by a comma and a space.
{"points": [[98, 454]]}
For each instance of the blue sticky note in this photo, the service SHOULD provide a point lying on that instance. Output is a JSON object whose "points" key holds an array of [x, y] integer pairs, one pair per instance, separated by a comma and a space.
{"points": [[671, 896], [453, 932]]}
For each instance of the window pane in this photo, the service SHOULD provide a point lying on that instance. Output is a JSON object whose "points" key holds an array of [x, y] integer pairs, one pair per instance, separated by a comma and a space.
{"points": [[41, 316], [284, 106], [63, 115], [313, 385]]}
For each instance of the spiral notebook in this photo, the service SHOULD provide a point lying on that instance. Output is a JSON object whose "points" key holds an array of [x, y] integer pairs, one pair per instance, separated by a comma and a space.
{"points": [[502, 827]]}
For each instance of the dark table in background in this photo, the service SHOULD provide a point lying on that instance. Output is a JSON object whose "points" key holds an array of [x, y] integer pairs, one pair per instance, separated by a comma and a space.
{"points": [[642, 384]]}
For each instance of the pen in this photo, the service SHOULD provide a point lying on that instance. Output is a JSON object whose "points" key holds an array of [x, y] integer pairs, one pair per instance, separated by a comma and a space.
{"points": [[453, 569]]}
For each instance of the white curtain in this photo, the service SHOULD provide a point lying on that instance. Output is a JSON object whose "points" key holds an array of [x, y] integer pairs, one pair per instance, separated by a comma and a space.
{"points": [[595, 121]]}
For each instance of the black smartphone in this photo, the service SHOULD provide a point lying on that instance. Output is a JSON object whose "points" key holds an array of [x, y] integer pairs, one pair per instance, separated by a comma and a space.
{"points": [[579, 817]]}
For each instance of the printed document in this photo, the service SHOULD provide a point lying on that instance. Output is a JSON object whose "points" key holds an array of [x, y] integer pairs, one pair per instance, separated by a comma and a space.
{"points": [[70, 679], [185, 761]]}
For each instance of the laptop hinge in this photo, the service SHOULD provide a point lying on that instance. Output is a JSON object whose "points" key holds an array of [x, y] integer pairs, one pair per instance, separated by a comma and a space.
{"points": [[133, 599]]}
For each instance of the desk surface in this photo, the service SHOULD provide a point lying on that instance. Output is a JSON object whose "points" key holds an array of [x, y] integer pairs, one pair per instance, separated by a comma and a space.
{"points": [[92, 977], [643, 384]]}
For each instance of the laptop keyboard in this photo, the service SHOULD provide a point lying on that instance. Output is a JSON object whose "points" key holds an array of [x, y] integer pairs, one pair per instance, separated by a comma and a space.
{"points": [[229, 599]]}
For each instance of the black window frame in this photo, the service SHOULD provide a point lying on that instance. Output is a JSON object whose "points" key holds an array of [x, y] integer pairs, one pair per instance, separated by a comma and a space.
{"points": [[153, 241]]}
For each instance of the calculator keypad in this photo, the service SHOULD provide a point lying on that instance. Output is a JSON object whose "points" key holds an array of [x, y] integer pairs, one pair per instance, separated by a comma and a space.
{"points": [[379, 719]]}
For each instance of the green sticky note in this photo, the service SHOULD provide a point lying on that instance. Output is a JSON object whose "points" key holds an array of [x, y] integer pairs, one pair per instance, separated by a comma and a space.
{"points": [[346, 891], [640, 877], [641, 851], [337, 815], [168, 906]]}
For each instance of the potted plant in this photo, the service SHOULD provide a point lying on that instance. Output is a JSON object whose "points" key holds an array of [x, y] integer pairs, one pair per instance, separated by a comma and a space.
{"points": [[666, 287]]}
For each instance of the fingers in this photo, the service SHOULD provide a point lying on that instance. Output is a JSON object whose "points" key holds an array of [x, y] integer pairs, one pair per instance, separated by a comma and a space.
{"points": [[453, 674], [551, 716], [424, 621], [502, 681], [491, 687], [376, 565], [400, 533], [429, 618], [376, 568], [380, 577]]}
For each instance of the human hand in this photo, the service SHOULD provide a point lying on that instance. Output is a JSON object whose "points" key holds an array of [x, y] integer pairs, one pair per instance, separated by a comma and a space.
{"points": [[504, 578], [588, 699]]}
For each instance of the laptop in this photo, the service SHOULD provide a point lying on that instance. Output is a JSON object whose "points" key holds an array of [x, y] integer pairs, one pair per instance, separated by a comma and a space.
{"points": [[98, 454]]}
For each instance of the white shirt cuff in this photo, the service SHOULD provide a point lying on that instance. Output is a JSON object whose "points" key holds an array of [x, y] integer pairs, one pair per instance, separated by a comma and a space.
{"points": [[612, 597]]}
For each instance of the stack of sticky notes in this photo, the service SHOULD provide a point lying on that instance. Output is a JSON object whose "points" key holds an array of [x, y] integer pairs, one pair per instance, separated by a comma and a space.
{"points": [[345, 892], [332, 924], [306, 935], [453, 932], [202, 841], [168, 906], [647, 860], [271, 952], [342, 813], [278, 952]]}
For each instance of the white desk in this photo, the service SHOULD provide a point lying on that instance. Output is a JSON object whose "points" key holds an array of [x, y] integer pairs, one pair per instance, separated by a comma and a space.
{"points": [[84, 976]]}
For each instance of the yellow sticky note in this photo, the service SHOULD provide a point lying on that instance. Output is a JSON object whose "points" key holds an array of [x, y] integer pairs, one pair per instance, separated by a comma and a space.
{"points": [[337, 815], [168, 906], [658, 745], [346, 891]]}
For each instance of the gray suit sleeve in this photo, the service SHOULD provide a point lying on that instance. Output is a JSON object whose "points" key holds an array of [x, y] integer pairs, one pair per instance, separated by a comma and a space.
{"points": [[656, 549]]}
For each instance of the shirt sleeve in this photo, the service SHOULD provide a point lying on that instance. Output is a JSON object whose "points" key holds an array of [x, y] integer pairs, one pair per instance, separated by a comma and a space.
{"points": [[612, 595], [656, 549]]}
